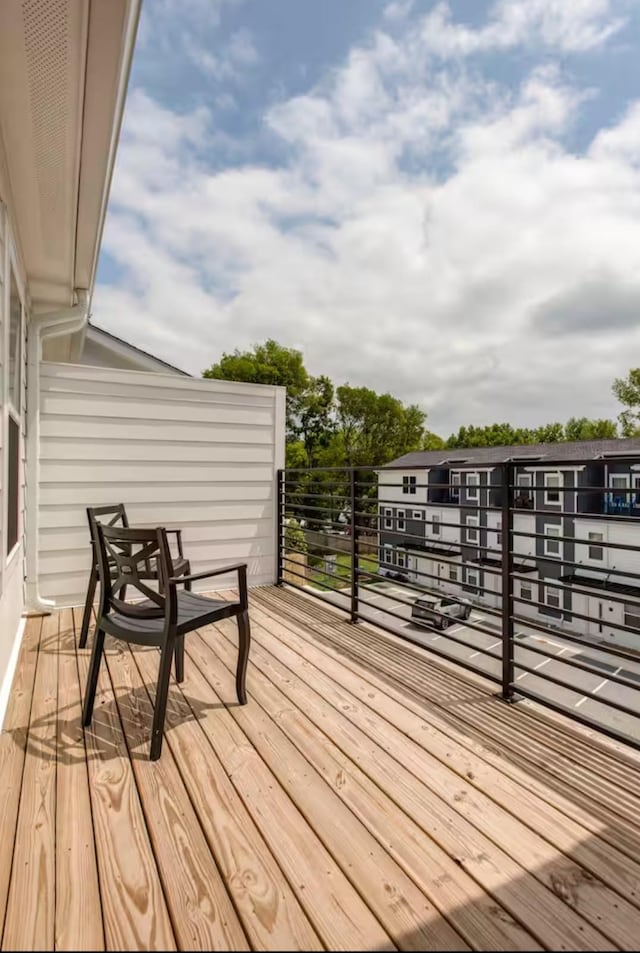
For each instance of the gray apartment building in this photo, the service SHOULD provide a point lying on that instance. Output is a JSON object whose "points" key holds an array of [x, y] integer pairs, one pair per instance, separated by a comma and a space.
{"points": [[576, 533]]}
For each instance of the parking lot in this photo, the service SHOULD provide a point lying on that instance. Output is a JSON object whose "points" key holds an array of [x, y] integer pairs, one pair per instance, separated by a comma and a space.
{"points": [[589, 691]]}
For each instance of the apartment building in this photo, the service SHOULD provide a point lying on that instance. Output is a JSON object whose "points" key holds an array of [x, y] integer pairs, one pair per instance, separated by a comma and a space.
{"points": [[576, 530]]}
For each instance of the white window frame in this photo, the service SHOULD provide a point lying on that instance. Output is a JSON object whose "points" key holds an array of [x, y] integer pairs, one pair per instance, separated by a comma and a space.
{"points": [[472, 525], [524, 482], [550, 536], [436, 528], [401, 559], [548, 488], [470, 571], [10, 411], [632, 612], [596, 544], [388, 551], [401, 517], [635, 484], [473, 483], [388, 517], [416, 514], [549, 585], [456, 482], [409, 484], [626, 485], [453, 573], [526, 587]]}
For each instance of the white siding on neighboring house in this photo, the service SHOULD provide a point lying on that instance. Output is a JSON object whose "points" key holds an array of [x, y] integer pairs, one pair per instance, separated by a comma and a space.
{"points": [[617, 561], [178, 451], [392, 488], [444, 515], [494, 539], [524, 545]]}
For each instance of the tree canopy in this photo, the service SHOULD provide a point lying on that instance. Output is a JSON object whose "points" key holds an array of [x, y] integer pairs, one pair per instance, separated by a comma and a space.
{"points": [[329, 426]]}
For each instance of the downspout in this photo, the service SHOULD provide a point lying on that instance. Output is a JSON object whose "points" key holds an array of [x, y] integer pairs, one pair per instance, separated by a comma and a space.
{"points": [[41, 326]]}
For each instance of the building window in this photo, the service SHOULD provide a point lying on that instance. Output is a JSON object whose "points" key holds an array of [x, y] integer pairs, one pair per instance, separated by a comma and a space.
{"points": [[473, 578], [473, 487], [455, 487], [619, 498], [401, 525], [596, 552], [409, 484], [498, 539], [526, 591], [401, 560], [632, 615], [417, 514], [453, 573], [552, 488], [552, 545], [473, 533], [636, 488], [435, 525], [524, 493], [388, 518], [386, 554], [552, 597]]}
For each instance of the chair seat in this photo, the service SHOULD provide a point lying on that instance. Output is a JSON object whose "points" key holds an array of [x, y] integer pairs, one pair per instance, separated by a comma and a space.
{"points": [[193, 610]]}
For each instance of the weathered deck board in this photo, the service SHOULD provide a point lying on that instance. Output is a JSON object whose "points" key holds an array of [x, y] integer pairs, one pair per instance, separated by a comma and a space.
{"points": [[134, 909], [468, 701], [406, 771], [337, 911], [13, 742], [475, 766], [367, 796], [30, 916], [78, 923]]}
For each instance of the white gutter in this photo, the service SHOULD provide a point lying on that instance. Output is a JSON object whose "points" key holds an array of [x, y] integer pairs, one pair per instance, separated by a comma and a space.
{"points": [[41, 326]]}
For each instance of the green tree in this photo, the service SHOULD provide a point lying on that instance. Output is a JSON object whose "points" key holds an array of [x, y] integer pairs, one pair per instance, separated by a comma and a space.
{"points": [[431, 441], [627, 390], [375, 428], [268, 363], [581, 428]]}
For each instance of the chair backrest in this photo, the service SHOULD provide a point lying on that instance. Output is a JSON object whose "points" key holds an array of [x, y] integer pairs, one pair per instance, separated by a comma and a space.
{"points": [[123, 557]]}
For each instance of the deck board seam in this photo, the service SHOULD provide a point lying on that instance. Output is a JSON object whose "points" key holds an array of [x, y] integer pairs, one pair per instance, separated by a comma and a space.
{"points": [[24, 761], [387, 792], [277, 780], [405, 680], [379, 682]]}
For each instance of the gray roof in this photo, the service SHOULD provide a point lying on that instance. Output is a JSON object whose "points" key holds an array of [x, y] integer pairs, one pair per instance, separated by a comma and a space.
{"points": [[577, 451], [133, 347]]}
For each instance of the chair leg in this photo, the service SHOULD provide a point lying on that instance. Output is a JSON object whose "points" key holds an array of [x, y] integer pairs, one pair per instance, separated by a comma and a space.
{"points": [[162, 691], [244, 633], [180, 658], [88, 606], [92, 680]]}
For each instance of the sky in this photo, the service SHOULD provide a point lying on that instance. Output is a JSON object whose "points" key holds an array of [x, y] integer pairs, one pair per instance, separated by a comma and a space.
{"points": [[438, 200]]}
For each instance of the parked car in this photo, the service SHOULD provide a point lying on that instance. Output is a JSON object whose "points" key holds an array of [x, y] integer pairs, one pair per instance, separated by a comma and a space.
{"points": [[424, 611], [393, 574]]}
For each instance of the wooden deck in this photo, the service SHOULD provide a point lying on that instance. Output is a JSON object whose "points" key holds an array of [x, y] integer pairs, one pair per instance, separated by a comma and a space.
{"points": [[367, 797]]}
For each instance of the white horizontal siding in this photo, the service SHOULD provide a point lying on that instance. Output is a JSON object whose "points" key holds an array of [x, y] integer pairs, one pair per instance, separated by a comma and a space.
{"points": [[390, 487], [179, 452]]}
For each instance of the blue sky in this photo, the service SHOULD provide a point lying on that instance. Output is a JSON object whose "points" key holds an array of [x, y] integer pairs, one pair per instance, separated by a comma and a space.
{"points": [[437, 199]]}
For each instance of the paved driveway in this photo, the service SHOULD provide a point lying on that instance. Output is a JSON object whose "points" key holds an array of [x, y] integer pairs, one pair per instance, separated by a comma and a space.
{"points": [[589, 691]]}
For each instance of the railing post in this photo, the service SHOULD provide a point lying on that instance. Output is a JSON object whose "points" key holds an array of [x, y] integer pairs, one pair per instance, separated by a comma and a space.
{"points": [[354, 547], [280, 510], [507, 582]]}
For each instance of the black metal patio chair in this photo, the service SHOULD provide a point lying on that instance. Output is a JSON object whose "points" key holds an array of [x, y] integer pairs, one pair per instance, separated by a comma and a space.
{"points": [[161, 617], [115, 514]]}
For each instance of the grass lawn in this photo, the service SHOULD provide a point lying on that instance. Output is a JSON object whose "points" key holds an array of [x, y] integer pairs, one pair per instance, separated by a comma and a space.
{"points": [[322, 580]]}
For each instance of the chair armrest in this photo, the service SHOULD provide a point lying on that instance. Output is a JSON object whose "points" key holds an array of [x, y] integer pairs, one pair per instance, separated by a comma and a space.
{"points": [[236, 567], [240, 568]]}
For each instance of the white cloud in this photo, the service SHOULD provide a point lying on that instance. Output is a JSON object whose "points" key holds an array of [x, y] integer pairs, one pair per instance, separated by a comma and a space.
{"points": [[427, 234]]}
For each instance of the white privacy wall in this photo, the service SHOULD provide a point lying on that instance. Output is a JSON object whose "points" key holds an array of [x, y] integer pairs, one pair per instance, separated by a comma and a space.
{"points": [[178, 452]]}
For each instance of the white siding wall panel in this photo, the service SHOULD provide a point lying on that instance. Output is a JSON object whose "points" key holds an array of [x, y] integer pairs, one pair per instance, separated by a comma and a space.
{"points": [[179, 452], [390, 487]]}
